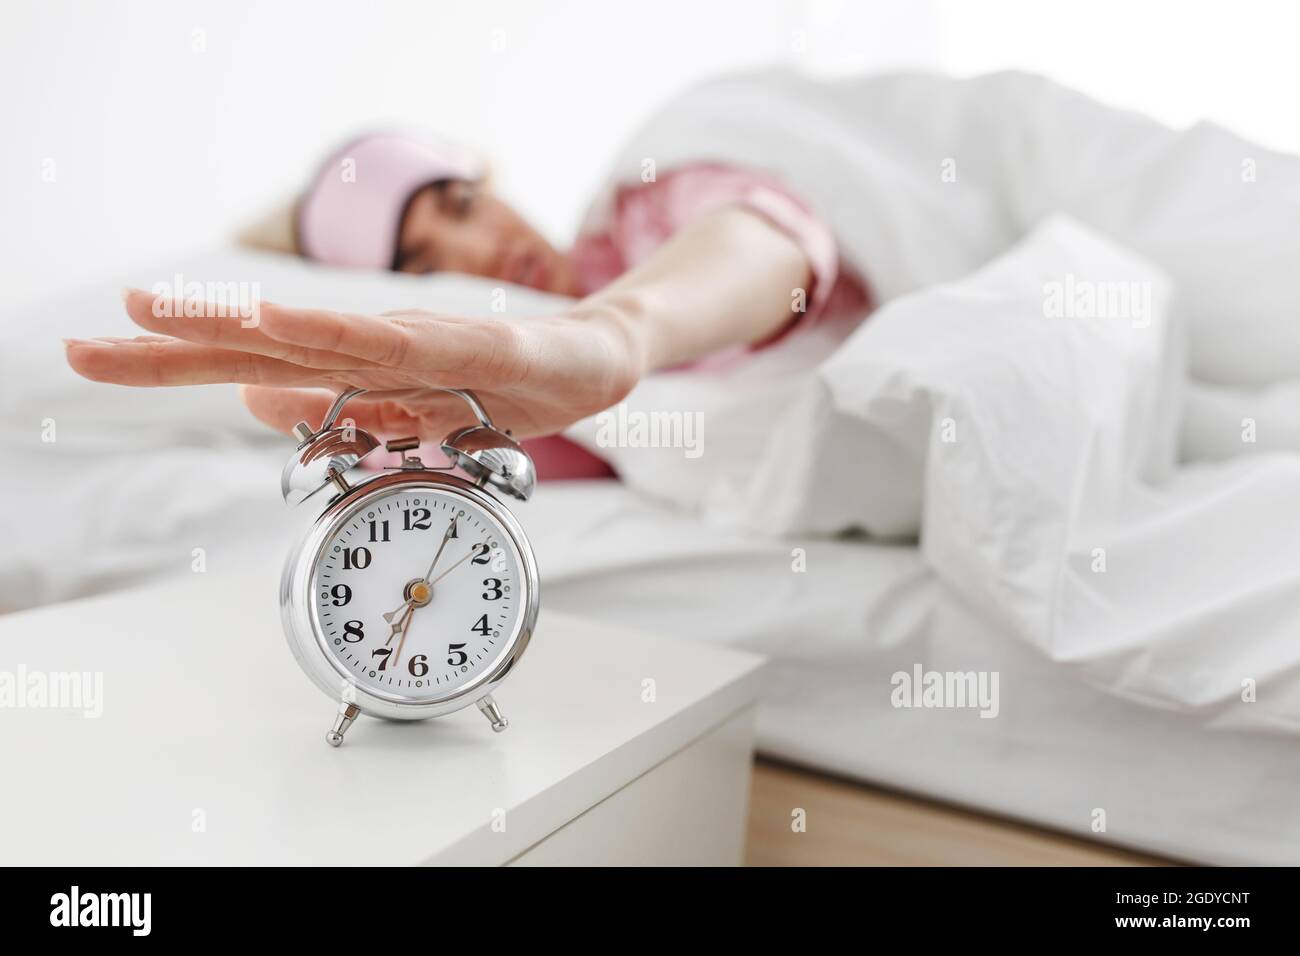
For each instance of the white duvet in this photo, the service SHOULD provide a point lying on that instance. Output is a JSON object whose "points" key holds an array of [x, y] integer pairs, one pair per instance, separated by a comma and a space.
{"points": [[1088, 288], [1009, 404]]}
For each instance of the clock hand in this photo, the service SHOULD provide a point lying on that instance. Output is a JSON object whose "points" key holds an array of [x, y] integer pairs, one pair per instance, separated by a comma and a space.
{"points": [[407, 607], [451, 531], [404, 622], [401, 624], [452, 568], [406, 626]]}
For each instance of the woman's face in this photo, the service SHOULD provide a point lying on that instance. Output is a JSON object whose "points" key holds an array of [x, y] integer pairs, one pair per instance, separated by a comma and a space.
{"points": [[459, 226]]}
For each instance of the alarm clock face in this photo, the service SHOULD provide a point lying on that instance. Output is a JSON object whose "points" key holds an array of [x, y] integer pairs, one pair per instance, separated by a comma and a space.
{"points": [[418, 592]]}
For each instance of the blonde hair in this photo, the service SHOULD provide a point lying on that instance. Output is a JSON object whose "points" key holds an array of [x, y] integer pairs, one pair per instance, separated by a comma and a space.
{"points": [[273, 232]]}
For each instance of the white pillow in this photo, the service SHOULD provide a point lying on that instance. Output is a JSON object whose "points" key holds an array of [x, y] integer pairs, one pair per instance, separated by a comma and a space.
{"points": [[135, 479], [38, 385]]}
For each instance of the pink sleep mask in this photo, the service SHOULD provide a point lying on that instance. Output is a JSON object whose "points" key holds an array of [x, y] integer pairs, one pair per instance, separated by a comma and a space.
{"points": [[350, 214]]}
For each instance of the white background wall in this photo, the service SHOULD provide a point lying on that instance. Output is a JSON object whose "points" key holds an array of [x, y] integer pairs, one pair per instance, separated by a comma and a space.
{"points": [[169, 123]]}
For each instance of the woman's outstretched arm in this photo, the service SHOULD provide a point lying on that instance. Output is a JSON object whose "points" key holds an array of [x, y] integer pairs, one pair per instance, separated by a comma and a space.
{"points": [[725, 280], [728, 279]]}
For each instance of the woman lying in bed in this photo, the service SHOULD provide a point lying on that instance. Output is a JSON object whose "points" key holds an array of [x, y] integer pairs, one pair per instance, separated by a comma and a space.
{"points": [[704, 259]]}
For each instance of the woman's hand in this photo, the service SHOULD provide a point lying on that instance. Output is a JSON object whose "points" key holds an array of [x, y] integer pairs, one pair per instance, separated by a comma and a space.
{"points": [[725, 280], [535, 376]]}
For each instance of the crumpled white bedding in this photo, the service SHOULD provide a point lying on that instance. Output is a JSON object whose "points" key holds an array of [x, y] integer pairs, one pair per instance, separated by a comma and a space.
{"points": [[106, 486], [1026, 433], [926, 178], [1032, 455], [861, 612]]}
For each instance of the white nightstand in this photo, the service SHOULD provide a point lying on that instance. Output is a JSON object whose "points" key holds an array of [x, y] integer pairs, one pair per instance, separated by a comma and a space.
{"points": [[200, 758]]}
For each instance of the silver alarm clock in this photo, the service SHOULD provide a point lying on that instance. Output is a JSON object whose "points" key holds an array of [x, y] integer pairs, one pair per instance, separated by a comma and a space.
{"points": [[415, 591]]}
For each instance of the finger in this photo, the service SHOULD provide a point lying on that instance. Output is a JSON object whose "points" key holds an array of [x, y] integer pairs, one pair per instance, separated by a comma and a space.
{"points": [[478, 352], [227, 326], [369, 338], [282, 408], [152, 361]]}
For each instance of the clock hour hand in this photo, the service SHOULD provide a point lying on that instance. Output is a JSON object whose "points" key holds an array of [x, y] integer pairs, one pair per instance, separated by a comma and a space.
{"points": [[398, 626], [398, 618]]}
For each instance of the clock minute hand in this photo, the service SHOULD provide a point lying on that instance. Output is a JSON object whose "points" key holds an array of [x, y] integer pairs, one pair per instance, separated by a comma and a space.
{"points": [[398, 626], [407, 607], [451, 530], [453, 567], [405, 626]]}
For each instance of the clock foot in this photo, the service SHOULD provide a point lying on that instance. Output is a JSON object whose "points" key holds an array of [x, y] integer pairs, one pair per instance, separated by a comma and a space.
{"points": [[347, 713], [493, 713]]}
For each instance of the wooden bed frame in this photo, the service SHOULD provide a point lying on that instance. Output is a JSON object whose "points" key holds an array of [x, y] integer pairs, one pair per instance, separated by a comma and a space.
{"points": [[854, 824]]}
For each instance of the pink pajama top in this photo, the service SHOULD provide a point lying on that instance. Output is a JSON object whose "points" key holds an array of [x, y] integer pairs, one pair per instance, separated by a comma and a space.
{"points": [[639, 218]]}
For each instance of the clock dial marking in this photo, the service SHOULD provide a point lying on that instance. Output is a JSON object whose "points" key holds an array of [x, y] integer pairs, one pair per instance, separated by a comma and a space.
{"points": [[447, 630]]}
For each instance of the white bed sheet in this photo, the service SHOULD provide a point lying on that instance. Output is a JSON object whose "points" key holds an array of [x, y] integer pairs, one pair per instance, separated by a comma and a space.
{"points": [[835, 632], [135, 484], [1058, 750]]}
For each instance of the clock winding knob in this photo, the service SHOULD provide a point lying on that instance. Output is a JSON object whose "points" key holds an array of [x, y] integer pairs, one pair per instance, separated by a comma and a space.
{"points": [[402, 444], [322, 458]]}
